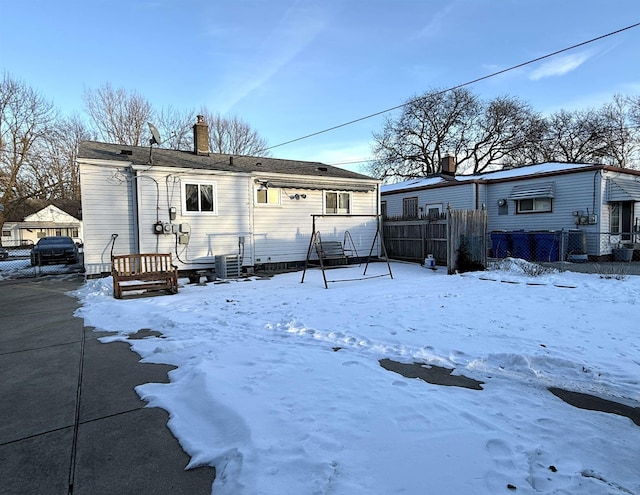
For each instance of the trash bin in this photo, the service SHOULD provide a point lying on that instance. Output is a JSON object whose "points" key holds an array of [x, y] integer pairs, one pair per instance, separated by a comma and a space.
{"points": [[500, 243], [522, 245], [547, 245]]}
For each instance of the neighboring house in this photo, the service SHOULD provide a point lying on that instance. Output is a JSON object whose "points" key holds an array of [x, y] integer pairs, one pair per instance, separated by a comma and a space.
{"points": [[601, 201], [33, 219], [199, 205]]}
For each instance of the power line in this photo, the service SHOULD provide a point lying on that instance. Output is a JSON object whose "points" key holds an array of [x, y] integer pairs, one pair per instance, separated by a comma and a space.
{"points": [[468, 83]]}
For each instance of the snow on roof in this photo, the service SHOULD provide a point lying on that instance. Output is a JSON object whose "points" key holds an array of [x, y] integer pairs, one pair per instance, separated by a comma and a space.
{"points": [[549, 167], [410, 184]]}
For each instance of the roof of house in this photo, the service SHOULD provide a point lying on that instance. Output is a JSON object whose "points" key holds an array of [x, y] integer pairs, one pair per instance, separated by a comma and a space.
{"points": [[549, 168], [19, 212], [139, 155]]}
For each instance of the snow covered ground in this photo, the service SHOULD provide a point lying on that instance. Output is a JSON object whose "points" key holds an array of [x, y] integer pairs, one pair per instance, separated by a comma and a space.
{"points": [[279, 384]]}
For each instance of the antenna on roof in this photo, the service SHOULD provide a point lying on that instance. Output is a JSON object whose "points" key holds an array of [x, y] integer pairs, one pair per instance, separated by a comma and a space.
{"points": [[155, 139]]}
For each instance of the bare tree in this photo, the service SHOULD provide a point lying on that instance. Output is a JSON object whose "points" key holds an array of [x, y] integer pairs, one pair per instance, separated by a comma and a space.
{"points": [[25, 121], [502, 131], [620, 134], [53, 171], [573, 136], [480, 134], [175, 127], [232, 135], [428, 128], [118, 116]]}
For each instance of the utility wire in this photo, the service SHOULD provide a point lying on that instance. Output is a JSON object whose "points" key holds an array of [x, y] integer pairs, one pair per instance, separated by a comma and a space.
{"points": [[468, 83]]}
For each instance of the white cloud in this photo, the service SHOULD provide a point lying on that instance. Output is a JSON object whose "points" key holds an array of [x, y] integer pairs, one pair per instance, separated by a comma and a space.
{"points": [[560, 66], [298, 28], [436, 24]]}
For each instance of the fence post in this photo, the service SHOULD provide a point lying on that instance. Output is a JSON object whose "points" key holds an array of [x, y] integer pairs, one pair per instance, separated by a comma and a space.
{"points": [[562, 250]]}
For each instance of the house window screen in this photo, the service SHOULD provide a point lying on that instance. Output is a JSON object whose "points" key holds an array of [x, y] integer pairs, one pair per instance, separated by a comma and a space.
{"points": [[337, 203], [199, 198], [534, 205], [410, 207]]}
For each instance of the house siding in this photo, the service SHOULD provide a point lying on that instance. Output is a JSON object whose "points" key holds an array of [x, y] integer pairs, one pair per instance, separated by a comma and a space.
{"points": [[572, 192], [102, 219], [210, 234], [460, 196], [261, 234], [283, 233], [575, 191]]}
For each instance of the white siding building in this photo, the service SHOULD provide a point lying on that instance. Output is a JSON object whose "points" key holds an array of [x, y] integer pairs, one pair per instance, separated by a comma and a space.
{"points": [[601, 201], [201, 205]]}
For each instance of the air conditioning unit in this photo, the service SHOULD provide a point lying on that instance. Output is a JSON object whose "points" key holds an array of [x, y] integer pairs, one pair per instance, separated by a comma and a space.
{"points": [[228, 266]]}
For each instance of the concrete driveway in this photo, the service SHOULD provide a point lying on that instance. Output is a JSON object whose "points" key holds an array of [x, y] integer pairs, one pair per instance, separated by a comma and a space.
{"points": [[71, 420]]}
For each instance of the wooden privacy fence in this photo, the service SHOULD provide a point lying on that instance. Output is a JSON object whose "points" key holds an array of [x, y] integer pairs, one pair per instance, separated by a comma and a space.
{"points": [[413, 240], [466, 240], [458, 241]]}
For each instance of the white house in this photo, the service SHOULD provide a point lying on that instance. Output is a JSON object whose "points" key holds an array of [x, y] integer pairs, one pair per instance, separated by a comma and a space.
{"points": [[200, 205], [601, 202], [34, 219]]}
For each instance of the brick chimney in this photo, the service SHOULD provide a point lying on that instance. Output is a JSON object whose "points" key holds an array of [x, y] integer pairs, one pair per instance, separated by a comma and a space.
{"points": [[201, 137], [448, 165]]}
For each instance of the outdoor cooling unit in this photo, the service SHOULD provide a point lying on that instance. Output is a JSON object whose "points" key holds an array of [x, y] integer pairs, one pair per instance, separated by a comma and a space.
{"points": [[228, 266]]}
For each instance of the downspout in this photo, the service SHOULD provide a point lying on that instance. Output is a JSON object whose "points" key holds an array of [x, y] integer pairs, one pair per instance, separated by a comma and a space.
{"points": [[597, 193], [378, 217], [136, 193], [475, 185]]}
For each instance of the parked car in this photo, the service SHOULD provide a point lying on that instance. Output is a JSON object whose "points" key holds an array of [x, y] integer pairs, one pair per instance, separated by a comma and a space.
{"points": [[55, 250], [4, 254]]}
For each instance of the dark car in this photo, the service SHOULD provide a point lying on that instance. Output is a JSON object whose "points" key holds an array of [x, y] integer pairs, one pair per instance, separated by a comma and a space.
{"points": [[54, 250], [4, 254]]}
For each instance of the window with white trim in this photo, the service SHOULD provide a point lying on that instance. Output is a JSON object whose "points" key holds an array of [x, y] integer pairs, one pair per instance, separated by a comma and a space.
{"points": [[433, 211], [267, 196], [614, 218], [337, 203], [199, 197], [533, 205], [410, 207]]}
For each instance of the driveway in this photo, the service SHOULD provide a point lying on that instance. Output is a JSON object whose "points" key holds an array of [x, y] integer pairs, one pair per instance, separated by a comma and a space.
{"points": [[72, 422]]}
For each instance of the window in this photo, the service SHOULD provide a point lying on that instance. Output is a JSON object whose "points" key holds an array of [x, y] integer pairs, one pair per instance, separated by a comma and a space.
{"points": [[433, 211], [614, 218], [6, 233], [337, 203], [268, 196], [199, 198], [533, 205], [410, 208], [383, 209]]}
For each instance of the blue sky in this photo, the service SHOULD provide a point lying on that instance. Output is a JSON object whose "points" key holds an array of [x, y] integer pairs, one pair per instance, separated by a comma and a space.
{"points": [[292, 68]]}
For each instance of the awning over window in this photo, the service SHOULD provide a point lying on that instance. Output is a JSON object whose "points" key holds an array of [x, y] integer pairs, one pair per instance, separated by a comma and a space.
{"points": [[529, 191], [333, 186], [619, 189]]}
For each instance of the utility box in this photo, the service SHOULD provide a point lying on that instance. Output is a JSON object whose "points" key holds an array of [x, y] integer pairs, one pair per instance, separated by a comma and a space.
{"points": [[228, 266]]}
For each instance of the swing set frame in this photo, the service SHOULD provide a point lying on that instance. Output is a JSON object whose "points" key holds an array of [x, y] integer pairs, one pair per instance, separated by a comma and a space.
{"points": [[333, 252]]}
